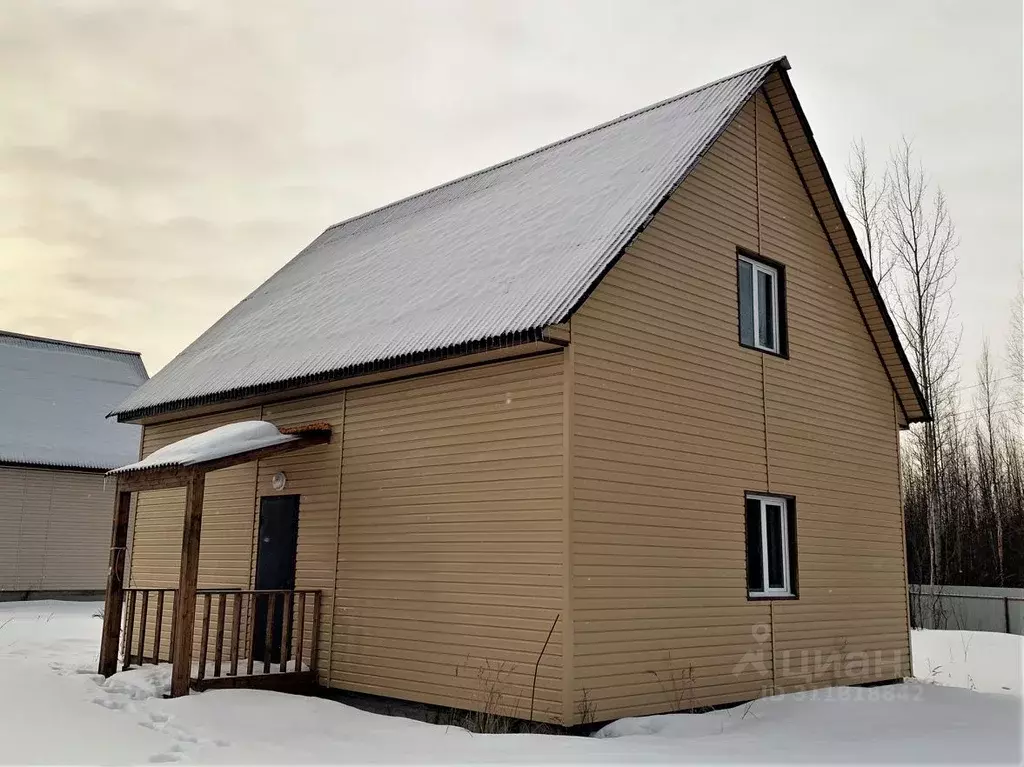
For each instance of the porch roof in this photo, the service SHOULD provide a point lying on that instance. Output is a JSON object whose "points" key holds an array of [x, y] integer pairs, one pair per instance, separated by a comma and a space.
{"points": [[219, 448]]}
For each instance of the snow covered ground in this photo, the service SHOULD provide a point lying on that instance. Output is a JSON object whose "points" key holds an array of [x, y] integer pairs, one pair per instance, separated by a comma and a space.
{"points": [[54, 709], [977, 660]]}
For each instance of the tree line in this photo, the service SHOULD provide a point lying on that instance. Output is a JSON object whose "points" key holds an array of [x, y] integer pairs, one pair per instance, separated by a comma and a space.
{"points": [[963, 471]]}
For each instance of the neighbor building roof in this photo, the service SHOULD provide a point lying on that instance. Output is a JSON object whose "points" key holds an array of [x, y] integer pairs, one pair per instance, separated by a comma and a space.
{"points": [[54, 398], [491, 258]]}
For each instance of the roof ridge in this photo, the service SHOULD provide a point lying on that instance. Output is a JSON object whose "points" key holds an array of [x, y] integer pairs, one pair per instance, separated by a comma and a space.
{"points": [[62, 342], [779, 60]]}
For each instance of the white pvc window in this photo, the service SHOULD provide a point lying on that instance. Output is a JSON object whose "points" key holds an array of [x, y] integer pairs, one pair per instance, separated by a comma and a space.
{"points": [[769, 563], [759, 305]]}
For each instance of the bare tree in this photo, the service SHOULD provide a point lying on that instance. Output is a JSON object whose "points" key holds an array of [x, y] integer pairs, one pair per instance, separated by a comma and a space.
{"points": [[963, 473], [1015, 357], [923, 242], [987, 399], [866, 196]]}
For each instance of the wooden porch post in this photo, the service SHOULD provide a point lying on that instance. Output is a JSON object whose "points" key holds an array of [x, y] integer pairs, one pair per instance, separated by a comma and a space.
{"points": [[113, 602], [185, 601]]}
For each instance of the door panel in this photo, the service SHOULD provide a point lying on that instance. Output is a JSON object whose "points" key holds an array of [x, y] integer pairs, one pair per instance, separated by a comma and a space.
{"points": [[275, 566]]}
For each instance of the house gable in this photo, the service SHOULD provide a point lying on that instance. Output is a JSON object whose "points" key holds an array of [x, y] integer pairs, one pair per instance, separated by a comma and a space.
{"points": [[673, 421], [779, 100]]}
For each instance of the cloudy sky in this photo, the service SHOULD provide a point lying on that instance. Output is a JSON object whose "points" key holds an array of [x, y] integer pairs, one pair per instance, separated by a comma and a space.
{"points": [[158, 160]]}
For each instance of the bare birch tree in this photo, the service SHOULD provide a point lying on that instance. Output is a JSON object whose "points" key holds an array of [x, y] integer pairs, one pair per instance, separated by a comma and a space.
{"points": [[963, 473], [866, 196], [923, 242], [1015, 357], [987, 400]]}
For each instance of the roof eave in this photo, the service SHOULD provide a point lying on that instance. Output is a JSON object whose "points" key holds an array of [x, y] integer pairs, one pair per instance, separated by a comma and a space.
{"points": [[55, 466], [73, 344], [406, 364]]}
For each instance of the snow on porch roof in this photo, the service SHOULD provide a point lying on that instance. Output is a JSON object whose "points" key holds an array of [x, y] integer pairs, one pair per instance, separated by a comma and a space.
{"points": [[223, 442]]}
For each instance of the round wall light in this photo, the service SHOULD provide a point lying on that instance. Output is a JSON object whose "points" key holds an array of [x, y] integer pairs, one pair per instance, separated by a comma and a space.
{"points": [[278, 481]]}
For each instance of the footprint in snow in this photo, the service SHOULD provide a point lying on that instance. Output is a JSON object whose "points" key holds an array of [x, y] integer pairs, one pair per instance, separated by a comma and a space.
{"points": [[162, 723], [109, 702]]}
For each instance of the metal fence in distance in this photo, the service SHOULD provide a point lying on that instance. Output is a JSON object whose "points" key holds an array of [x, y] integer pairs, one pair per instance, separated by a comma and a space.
{"points": [[967, 608]]}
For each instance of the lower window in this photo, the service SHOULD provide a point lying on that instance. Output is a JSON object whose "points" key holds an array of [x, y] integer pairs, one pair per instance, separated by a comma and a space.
{"points": [[771, 546]]}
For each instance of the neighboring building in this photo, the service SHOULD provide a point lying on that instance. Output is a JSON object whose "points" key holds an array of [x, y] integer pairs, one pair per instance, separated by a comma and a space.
{"points": [[638, 386], [55, 445]]}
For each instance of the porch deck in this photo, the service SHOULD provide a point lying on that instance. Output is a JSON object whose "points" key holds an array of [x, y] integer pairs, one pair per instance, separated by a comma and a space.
{"points": [[254, 638]]}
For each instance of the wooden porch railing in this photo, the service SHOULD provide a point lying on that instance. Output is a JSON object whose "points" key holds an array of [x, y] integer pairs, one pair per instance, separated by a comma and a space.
{"points": [[231, 645], [134, 644]]}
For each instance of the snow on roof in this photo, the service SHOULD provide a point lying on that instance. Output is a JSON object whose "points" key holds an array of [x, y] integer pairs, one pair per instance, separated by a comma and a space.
{"points": [[216, 443], [510, 249], [54, 398]]}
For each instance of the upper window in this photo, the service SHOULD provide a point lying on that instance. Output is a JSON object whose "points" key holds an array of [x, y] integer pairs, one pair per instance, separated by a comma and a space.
{"points": [[762, 305], [771, 546]]}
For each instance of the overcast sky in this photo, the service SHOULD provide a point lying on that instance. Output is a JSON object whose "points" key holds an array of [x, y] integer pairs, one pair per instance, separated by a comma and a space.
{"points": [[159, 160]]}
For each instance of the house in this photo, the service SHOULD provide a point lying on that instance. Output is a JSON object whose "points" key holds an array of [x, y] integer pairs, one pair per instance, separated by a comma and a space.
{"points": [[55, 446], [607, 429]]}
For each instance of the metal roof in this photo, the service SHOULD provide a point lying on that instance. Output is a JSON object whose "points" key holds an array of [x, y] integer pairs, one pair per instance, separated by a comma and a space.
{"points": [[54, 396], [508, 250]]}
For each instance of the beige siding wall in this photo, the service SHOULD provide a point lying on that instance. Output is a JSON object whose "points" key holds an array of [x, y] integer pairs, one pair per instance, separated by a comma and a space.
{"points": [[673, 421], [451, 540], [54, 530], [440, 553]]}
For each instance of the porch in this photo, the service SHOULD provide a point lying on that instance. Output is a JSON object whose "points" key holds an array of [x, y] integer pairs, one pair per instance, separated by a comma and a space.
{"points": [[212, 637]]}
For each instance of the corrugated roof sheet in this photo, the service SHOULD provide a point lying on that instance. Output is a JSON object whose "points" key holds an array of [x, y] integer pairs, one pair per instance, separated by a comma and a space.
{"points": [[54, 397], [506, 250]]}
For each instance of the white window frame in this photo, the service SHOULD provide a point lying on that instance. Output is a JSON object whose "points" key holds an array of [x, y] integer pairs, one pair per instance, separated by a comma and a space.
{"points": [[787, 588], [755, 267]]}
